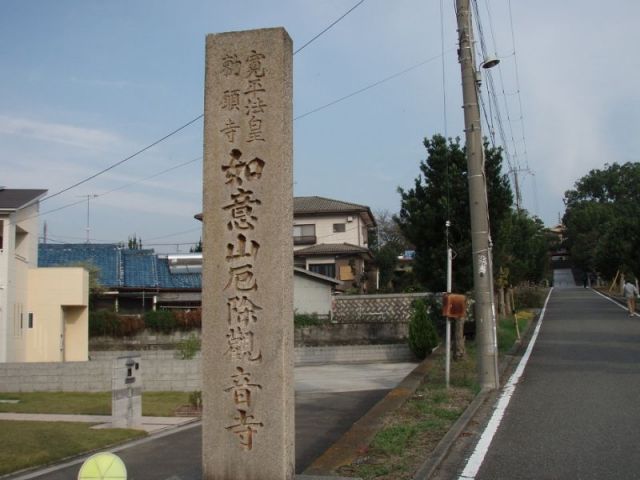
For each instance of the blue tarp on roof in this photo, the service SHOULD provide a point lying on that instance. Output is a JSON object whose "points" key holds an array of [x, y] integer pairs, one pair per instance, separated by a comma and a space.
{"points": [[119, 267]]}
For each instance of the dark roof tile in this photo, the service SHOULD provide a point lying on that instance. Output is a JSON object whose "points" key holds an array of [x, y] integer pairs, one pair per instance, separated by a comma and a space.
{"points": [[15, 198]]}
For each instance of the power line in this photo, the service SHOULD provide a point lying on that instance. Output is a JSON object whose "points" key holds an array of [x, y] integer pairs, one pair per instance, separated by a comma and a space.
{"points": [[368, 87], [111, 167], [39, 214], [330, 26], [341, 99], [190, 122]]}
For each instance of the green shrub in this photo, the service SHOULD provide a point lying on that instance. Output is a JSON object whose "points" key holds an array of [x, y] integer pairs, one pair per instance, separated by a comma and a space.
{"points": [[103, 323], [529, 297], [423, 337], [163, 321], [108, 323], [189, 319], [195, 399], [306, 319], [188, 347]]}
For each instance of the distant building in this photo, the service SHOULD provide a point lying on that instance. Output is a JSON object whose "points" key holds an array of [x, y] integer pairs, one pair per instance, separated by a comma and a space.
{"points": [[136, 280], [133, 280], [331, 238], [43, 313]]}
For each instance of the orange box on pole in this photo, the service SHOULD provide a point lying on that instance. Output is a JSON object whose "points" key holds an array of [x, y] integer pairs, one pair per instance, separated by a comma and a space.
{"points": [[454, 305]]}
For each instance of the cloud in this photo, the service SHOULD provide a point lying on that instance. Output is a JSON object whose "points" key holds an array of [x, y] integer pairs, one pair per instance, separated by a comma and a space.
{"points": [[152, 204], [87, 138], [119, 84]]}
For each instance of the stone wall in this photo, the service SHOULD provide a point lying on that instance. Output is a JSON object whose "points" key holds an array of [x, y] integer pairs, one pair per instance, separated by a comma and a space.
{"points": [[161, 371], [392, 308], [351, 334]]}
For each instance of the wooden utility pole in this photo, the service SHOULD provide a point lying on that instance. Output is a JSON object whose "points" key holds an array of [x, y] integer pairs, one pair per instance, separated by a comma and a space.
{"points": [[482, 275]]}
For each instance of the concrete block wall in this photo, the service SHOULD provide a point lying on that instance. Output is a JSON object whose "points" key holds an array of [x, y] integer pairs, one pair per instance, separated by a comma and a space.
{"points": [[161, 371], [353, 354], [55, 377], [396, 307]]}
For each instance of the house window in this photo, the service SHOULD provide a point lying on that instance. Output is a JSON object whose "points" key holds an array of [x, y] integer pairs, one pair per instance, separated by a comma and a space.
{"points": [[304, 234], [339, 228], [346, 273], [327, 269]]}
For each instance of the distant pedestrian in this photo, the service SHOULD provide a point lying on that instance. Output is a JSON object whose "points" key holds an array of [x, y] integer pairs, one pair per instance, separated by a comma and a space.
{"points": [[630, 293], [585, 280]]}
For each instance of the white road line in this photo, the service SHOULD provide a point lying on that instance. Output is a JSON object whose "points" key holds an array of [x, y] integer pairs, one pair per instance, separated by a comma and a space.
{"points": [[477, 457], [615, 303]]}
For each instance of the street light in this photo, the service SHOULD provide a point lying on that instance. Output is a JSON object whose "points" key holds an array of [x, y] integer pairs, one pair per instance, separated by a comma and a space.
{"points": [[490, 62]]}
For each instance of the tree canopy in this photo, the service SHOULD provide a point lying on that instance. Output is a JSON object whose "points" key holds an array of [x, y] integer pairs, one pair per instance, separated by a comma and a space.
{"points": [[602, 220], [440, 193]]}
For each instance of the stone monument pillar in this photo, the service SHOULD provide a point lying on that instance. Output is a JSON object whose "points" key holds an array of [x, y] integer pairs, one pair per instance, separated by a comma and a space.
{"points": [[247, 281], [126, 392]]}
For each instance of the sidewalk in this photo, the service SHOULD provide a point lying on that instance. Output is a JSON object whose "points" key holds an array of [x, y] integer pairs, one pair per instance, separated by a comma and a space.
{"points": [[149, 424]]}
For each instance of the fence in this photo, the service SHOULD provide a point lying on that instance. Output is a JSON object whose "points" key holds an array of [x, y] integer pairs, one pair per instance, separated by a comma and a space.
{"points": [[161, 371], [391, 308]]}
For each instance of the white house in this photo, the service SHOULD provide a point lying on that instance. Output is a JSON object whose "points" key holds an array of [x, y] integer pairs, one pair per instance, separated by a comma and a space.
{"points": [[331, 237], [43, 312]]}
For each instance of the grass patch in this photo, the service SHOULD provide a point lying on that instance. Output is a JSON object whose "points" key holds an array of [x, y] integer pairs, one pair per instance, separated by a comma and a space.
{"points": [[28, 444], [414, 430], [86, 403], [507, 335], [154, 404], [417, 427]]}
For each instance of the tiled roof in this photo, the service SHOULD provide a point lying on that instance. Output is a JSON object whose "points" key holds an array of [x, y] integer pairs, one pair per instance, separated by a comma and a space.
{"points": [[302, 205], [322, 205], [119, 267], [316, 276], [104, 256], [14, 198], [331, 249]]}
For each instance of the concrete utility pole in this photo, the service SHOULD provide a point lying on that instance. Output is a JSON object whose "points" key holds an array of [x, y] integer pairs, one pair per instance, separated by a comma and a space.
{"points": [[482, 274]]}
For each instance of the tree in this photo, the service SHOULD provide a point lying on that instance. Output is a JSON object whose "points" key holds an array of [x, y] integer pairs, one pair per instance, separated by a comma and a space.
{"points": [[440, 193], [423, 337], [134, 243], [601, 216], [95, 287], [197, 248], [386, 243], [522, 248]]}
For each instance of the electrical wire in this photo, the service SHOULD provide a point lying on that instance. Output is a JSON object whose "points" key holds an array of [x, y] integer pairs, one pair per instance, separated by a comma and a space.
{"points": [[111, 167], [368, 87], [330, 26], [190, 122], [341, 99]]}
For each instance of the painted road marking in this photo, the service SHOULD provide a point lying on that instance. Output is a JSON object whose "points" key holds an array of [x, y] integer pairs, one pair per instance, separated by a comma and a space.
{"points": [[615, 303], [477, 457]]}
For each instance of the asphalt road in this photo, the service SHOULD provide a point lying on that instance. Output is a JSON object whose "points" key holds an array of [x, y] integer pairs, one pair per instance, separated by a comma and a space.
{"points": [[329, 399], [576, 412]]}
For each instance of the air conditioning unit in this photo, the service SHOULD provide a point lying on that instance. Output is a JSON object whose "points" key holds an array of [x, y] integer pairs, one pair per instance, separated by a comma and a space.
{"points": [[349, 218]]}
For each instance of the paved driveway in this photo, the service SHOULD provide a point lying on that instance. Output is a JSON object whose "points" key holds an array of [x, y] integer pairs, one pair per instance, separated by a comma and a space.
{"points": [[329, 399]]}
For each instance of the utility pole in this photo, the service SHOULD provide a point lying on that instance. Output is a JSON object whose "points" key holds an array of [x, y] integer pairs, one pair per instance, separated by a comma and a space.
{"points": [[88, 229], [447, 362], [482, 275]]}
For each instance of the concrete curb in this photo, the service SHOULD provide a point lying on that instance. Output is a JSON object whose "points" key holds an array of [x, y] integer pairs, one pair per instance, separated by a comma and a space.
{"points": [[444, 446], [360, 435], [437, 456]]}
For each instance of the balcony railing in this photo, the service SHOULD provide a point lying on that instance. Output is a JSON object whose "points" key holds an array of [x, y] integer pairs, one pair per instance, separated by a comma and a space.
{"points": [[304, 240]]}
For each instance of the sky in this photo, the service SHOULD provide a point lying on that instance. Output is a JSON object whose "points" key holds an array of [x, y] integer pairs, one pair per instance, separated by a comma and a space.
{"points": [[87, 83]]}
